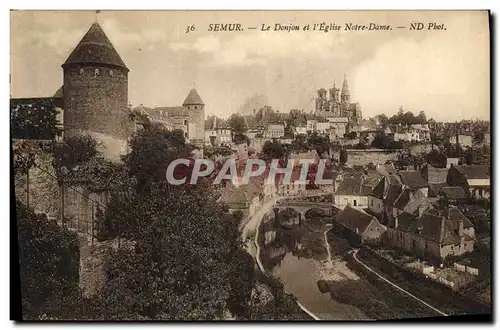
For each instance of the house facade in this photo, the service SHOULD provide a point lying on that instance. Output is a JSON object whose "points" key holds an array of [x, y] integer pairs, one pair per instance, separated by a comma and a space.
{"points": [[358, 226], [473, 179], [430, 236]]}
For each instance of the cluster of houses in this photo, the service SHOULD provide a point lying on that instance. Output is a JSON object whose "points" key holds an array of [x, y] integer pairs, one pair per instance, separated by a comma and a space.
{"points": [[413, 211]]}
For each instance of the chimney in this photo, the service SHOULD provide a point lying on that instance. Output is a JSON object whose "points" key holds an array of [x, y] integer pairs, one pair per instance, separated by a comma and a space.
{"points": [[420, 210], [461, 228]]}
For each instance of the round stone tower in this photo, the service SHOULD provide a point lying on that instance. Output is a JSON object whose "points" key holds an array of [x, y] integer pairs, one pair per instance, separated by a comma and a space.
{"points": [[196, 110], [96, 93]]}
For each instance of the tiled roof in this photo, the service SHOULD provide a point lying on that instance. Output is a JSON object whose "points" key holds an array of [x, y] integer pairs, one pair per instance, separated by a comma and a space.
{"points": [[352, 218], [453, 192], [378, 191], [402, 199], [174, 111], [474, 171], [437, 187], [350, 186], [416, 201], [405, 221], [435, 228], [455, 215], [412, 179], [392, 194], [96, 48], [193, 98], [433, 174]]}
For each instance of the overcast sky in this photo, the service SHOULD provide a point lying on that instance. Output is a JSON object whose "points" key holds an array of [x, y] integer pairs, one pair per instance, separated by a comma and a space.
{"points": [[444, 73]]}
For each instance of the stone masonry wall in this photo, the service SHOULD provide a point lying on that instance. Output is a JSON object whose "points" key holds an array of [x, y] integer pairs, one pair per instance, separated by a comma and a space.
{"points": [[96, 102], [39, 188]]}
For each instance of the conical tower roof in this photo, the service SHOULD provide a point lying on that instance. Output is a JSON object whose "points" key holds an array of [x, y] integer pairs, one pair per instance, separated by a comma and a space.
{"points": [[95, 48], [345, 87], [193, 98]]}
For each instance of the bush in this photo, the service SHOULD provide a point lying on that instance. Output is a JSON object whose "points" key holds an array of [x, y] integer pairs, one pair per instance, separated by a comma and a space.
{"points": [[49, 260]]}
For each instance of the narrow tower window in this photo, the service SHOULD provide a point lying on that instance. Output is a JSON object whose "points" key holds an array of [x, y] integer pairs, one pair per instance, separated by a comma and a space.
{"points": [[96, 72]]}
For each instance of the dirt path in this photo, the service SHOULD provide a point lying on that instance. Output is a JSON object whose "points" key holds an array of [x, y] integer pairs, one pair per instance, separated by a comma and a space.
{"points": [[394, 285]]}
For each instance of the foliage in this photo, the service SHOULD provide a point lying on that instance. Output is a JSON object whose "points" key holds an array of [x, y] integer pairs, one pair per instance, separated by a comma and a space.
{"points": [[480, 218], [299, 144], [238, 216], [49, 263], [241, 279], [34, 119], [382, 141], [350, 135], [222, 150], [274, 150], [187, 261], [282, 307], [152, 150], [343, 156], [383, 120], [321, 143], [182, 264], [436, 159], [241, 138], [237, 124], [407, 118], [22, 162], [361, 146], [76, 150]]}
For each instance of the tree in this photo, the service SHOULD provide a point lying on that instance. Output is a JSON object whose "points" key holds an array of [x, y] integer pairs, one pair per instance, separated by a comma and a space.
{"points": [[343, 156], [237, 124], [321, 143], [76, 150], [299, 144], [422, 118], [34, 119], [381, 141], [274, 150], [187, 260], [436, 159], [182, 261], [383, 120], [152, 150], [49, 261]]}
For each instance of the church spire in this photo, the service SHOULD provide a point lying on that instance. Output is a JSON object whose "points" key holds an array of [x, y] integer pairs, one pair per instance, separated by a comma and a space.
{"points": [[344, 95]]}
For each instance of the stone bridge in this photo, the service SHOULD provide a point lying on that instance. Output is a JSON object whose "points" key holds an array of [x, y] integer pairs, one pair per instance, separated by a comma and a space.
{"points": [[297, 212]]}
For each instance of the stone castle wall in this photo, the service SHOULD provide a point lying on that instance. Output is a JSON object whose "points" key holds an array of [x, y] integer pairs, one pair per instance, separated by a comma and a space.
{"points": [[95, 99], [38, 188]]}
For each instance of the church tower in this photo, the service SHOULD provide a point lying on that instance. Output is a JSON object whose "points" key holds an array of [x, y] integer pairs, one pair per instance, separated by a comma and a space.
{"points": [[344, 95], [196, 111], [96, 93]]}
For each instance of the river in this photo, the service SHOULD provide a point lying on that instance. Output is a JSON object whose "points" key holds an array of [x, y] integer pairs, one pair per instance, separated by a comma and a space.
{"points": [[300, 259]]}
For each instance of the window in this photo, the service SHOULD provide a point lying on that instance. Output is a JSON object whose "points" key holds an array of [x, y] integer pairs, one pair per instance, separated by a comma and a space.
{"points": [[195, 107], [372, 202], [111, 73], [81, 71], [96, 72], [185, 122], [355, 202]]}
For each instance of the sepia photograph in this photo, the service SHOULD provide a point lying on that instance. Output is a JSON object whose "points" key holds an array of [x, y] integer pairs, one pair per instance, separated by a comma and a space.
{"points": [[258, 165]]}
